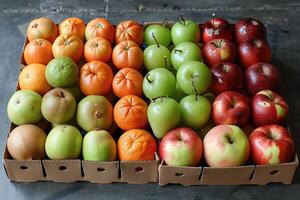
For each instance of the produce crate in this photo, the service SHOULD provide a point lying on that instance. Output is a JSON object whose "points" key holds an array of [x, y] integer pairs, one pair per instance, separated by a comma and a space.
{"points": [[141, 172]]}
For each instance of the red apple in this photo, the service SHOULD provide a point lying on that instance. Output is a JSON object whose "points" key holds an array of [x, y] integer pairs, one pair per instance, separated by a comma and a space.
{"points": [[226, 76], [226, 146], [217, 51], [181, 147], [271, 144], [231, 107], [216, 28], [268, 107], [254, 51], [248, 29], [262, 76]]}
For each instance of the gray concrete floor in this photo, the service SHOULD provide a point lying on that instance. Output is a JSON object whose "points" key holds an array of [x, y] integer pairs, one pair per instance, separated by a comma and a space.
{"points": [[282, 18]]}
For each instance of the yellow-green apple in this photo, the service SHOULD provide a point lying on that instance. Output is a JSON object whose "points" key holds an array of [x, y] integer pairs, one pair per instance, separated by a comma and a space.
{"points": [[216, 28], [268, 107], [162, 34], [193, 77], [163, 115], [185, 31], [195, 111], [98, 145], [226, 76], [217, 51], [262, 76], [94, 112], [231, 107], [58, 106], [226, 146], [186, 51], [24, 107], [248, 29], [254, 51], [271, 144], [181, 147], [63, 142], [159, 82]]}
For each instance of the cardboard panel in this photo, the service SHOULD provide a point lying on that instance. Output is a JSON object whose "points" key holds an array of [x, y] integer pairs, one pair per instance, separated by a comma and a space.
{"points": [[139, 172], [227, 176], [181, 175], [283, 173], [24, 170], [100, 172], [62, 170]]}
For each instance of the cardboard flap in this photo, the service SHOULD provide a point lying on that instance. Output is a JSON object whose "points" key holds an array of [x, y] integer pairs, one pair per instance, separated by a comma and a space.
{"points": [[283, 173], [62, 170], [100, 172], [24, 170], [181, 175], [227, 176]]}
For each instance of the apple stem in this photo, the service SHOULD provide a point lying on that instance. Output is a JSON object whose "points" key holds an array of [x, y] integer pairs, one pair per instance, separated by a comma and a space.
{"points": [[182, 21], [178, 50], [213, 19], [166, 63], [155, 40], [194, 86], [147, 78], [165, 22]]}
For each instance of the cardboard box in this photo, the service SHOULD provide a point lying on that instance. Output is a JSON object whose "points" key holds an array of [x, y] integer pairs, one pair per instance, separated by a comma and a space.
{"points": [[141, 172]]}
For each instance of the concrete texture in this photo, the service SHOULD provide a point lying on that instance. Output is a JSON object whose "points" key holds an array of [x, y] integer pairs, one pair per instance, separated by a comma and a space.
{"points": [[282, 18]]}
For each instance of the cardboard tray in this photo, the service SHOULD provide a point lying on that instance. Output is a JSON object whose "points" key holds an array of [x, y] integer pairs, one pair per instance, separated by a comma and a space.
{"points": [[141, 172]]}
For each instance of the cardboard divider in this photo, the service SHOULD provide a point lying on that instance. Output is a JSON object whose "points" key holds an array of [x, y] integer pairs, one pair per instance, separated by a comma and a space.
{"points": [[227, 176], [178, 175], [100, 172], [139, 172], [283, 173], [62, 170]]}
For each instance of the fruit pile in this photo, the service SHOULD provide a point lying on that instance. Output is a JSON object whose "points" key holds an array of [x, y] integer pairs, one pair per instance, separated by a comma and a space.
{"points": [[160, 88]]}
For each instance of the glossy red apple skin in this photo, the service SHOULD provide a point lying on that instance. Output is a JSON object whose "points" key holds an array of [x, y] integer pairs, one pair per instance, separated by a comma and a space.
{"points": [[217, 51], [262, 76], [268, 107], [248, 29], [231, 108], [271, 144], [226, 76], [254, 51], [181, 147], [216, 28]]}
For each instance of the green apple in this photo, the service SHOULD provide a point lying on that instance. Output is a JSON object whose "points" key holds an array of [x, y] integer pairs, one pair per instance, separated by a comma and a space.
{"points": [[186, 51], [24, 107], [159, 82], [94, 112], [185, 31], [162, 34], [63, 142], [193, 77], [195, 111], [58, 106], [99, 145], [163, 115], [157, 56]]}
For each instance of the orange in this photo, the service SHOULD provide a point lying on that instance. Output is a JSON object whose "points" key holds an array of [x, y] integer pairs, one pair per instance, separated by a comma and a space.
{"points": [[100, 27], [97, 48], [136, 144], [131, 112], [32, 77], [95, 78], [38, 51], [128, 81], [42, 28], [72, 26], [129, 30]]}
